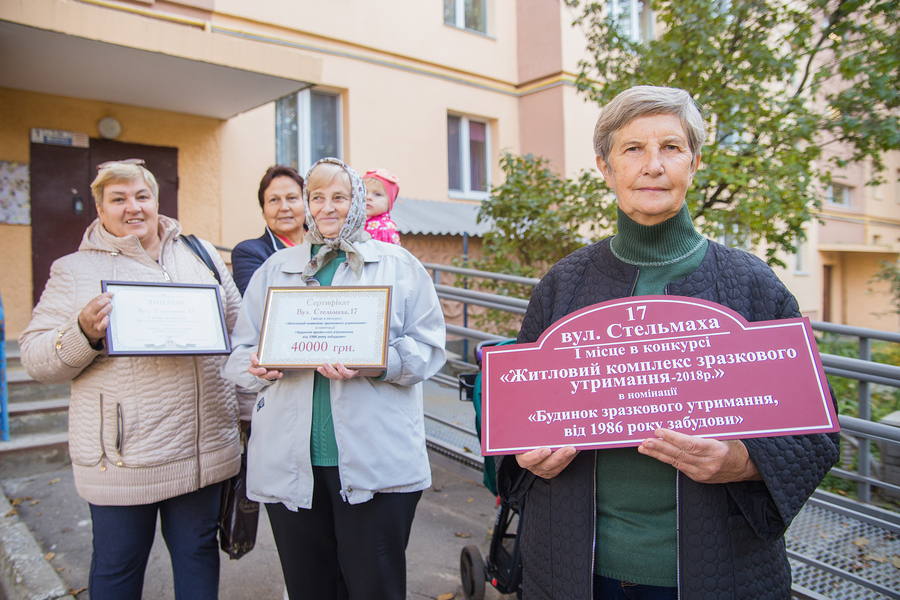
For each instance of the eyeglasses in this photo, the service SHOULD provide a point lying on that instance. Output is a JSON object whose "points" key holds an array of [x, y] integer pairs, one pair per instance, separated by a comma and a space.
{"points": [[126, 161]]}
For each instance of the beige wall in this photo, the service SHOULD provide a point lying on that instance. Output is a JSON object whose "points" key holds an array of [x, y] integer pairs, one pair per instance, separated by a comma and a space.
{"points": [[543, 126], [539, 39], [864, 300], [581, 116], [385, 125], [410, 32], [198, 140], [241, 171]]}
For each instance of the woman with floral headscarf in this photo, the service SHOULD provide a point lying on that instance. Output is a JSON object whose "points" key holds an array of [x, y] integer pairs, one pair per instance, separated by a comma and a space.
{"points": [[338, 455]]}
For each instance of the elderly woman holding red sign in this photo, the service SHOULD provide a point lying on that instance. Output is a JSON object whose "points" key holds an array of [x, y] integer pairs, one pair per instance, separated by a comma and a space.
{"points": [[338, 454], [680, 516]]}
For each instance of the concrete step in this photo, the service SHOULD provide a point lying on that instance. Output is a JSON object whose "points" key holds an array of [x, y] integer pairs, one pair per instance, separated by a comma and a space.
{"points": [[38, 406], [35, 441], [51, 422], [22, 388]]}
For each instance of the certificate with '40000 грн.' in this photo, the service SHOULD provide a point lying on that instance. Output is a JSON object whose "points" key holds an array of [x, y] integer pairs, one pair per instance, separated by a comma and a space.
{"points": [[305, 327]]}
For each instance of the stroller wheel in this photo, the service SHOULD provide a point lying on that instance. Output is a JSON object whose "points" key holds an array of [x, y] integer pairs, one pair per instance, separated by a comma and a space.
{"points": [[471, 569]]}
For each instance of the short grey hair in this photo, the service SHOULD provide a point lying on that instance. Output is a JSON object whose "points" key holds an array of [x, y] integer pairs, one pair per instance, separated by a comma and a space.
{"points": [[644, 101]]}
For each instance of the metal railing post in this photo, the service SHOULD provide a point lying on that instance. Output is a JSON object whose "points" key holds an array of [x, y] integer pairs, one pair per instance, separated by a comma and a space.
{"points": [[863, 488]]}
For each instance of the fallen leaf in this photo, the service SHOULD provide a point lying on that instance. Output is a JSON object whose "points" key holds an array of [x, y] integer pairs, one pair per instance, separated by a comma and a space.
{"points": [[861, 542], [33, 502], [876, 557], [462, 535], [52, 481], [75, 592], [446, 597], [37, 514], [471, 500], [60, 569], [49, 556], [12, 513], [18, 501], [896, 561]]}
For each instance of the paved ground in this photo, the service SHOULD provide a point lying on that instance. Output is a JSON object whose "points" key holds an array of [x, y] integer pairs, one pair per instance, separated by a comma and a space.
{"points": [[455, 512]]}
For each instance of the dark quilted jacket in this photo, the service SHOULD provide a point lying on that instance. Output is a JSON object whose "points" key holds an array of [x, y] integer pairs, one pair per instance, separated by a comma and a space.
{"points": [[730, 540]]}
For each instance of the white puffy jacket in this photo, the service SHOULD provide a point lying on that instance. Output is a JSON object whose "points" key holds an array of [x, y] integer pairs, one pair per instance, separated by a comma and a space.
{"points": [[379, 425], [141, 429]]}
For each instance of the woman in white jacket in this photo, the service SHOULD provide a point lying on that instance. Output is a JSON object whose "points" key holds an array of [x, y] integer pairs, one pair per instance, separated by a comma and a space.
{"points": [[338, 455], [151, 434]]}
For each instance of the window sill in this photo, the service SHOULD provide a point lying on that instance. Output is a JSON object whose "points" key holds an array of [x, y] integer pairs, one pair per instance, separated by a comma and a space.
{"points": [[472, 31], [458, 195]]}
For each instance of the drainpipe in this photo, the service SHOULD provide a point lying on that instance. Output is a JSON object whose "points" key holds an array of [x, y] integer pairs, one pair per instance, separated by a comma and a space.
{"points": [[4, 408]]}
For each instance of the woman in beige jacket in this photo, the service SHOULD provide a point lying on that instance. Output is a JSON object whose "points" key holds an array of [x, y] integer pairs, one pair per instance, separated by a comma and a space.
{"points": [[148, 434]]}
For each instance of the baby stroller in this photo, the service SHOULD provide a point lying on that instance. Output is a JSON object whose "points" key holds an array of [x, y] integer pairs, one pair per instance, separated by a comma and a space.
{"points": [[503, 565]]}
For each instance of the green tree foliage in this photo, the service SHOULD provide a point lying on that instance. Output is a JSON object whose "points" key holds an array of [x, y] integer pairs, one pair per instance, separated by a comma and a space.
{"points": [[777, 81], [537, 218]]}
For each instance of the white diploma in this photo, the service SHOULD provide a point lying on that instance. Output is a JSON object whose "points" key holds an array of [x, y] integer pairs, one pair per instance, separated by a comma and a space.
{"points": [[151, 318], [306, 327]]}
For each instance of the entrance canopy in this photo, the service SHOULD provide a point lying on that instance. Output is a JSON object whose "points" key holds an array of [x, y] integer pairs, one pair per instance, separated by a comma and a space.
{"points": [[112, 56]]}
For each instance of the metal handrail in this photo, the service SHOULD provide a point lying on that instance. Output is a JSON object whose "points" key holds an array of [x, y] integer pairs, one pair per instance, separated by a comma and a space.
{"points": [[862, 369], [872, 334]]}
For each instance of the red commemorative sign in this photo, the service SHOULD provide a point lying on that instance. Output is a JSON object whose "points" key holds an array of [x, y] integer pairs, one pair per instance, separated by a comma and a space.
{"points": [[610, 374]]}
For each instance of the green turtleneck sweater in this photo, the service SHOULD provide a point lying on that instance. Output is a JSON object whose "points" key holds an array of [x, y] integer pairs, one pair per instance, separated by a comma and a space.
{"points": [[636, 495], [322, 443]]}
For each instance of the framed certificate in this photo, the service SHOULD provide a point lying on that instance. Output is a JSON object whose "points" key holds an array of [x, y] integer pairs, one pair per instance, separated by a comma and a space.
{"points": [[305, 327], [165, 318]]}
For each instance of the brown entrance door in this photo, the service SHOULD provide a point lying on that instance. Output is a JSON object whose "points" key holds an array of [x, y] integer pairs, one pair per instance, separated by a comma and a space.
{"points": [[61, 203]]}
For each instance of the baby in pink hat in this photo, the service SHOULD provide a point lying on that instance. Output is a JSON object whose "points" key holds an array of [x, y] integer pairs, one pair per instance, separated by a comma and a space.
{"points": [[381, 192]]}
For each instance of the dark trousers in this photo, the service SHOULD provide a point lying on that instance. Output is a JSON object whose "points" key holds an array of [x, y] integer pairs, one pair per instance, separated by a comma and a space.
{"points": [[123, 536], [613, 589], [336, 550]]}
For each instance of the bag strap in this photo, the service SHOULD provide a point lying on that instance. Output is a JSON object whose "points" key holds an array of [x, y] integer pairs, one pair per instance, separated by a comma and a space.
{"points": [[190, 240]]}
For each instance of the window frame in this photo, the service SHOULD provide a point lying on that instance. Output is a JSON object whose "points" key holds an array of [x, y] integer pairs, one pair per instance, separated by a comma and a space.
{"points": [[640, 18], [800, 259], [303, 108], [846, 195], [466, 192], [459, 18]]}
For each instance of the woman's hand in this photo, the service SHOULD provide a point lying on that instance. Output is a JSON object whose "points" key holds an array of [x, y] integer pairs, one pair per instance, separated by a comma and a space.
{"points": [[94, 317], [704, 460], [262, 372], [337, 371], [546, 463]]}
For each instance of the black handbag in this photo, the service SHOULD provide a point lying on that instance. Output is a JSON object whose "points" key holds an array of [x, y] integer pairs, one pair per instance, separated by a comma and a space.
{"points": [[238, 516]]}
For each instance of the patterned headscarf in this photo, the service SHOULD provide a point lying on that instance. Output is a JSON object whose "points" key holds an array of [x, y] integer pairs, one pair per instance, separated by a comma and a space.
{"points": [[351, 232]]}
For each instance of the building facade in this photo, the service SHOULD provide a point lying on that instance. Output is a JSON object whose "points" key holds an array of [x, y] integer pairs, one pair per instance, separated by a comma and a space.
{"points": [[215, 91]]}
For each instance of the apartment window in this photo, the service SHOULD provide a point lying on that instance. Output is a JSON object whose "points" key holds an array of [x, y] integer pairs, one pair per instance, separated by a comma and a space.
{"points": [[468, 150], [800, 258], [839, 194], [466, 14], [307, 128], [633, 18]]}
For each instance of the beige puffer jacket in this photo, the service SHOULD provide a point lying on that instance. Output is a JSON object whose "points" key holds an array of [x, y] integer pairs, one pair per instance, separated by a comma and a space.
{"points": [[141, 429]]}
